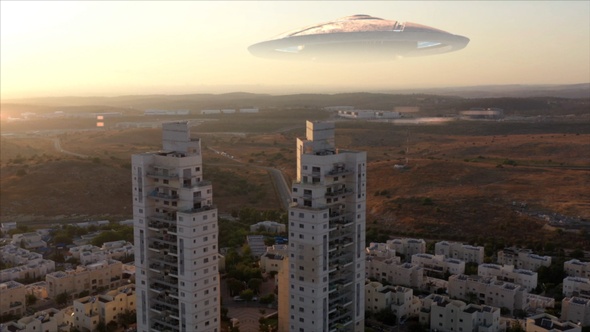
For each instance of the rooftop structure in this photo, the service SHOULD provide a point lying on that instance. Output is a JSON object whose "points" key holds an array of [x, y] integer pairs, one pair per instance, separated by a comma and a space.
{"points": [[547, 323]]}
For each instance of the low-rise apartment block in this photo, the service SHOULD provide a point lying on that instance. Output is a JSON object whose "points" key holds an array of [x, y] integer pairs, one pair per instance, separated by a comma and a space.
{"points": [[34, 269], [547, 323], [88, 254], [42, 321], [438, 264], [407, 247], [400, 300], [576, 310], [576, 268], [15, 255], [576, 286], [93, 277], [30, 240], [390, 270], [90, 310], [522, 259], [508, 273], [445, 315], [488, 291], [12, 298], [456, 250], [272, 259]]}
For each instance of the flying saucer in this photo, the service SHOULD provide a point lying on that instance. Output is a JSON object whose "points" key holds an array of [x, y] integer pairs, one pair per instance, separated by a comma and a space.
{"points": [[359, 37]]}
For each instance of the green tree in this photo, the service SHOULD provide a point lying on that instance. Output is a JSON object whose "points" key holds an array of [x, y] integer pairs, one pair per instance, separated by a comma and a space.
{"points": [[254, 285], [386, 316], [247, 294], [101, 327], [515, 327], [31, 299], [62, 298]]}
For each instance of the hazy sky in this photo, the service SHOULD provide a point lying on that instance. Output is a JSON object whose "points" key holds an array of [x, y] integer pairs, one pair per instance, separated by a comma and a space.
{"points": [[113, 48]]}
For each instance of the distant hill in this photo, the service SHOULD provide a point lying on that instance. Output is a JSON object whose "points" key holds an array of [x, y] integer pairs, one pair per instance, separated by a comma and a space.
{"points": [[581, 90], [543, 99]]}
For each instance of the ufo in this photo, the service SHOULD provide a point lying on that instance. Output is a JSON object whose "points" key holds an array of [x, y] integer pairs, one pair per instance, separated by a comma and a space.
{"points": [[359, 37]]}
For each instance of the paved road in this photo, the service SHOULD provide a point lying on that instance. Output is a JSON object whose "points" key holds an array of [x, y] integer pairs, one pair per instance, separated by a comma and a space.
{"points": [[57, 146], [283, 190]]}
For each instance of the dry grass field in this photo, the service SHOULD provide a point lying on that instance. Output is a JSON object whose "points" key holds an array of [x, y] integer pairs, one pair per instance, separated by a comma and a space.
{"points": [[464, 181]]}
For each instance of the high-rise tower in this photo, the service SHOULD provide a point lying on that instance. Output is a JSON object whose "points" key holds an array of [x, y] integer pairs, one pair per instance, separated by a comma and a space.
{"points": [[175, 230], [325, 271]]}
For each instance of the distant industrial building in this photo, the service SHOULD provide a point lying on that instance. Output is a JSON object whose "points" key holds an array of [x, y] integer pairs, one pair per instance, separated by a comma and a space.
{"points": [[482, 114], [165, 112], [368, 114]]}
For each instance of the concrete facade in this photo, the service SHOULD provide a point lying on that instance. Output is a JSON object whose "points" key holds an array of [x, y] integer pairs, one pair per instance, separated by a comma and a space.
{"points": [[576, 268], [326, 262], [94, 277], [508, 273], [464, 252], [175, 231], [488, 291]]}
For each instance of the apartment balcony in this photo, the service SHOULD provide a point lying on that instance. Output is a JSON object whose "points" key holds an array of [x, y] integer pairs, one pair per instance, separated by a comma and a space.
{"points": [[339, 170], [335, 215], [197, 184], [162, 174], [15, 304], [339, 192], [341, 324], [157, 194], [167, 305], [164, 218], [200, 209], [166, 323], [167, 281], [340, 223]]}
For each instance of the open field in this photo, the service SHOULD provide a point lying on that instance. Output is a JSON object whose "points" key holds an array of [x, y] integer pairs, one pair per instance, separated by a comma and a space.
{"points": [[465, 180]]}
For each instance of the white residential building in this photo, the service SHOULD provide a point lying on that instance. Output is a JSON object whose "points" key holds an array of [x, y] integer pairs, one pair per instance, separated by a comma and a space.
{"points": [[30, 240], [89, 311], [445, 315], [175, 230], [576, 268], [12, 298], [547, 323], [15, 256], [326, 263], [48, 320], [272, 259], [464, 252], [438, 264], [508, 273], [575, 286], [88, 254], [408, 247], [103, 275], [576, 310], [394, 272], [488, 291], [400, 300], [523, 259], [34, 269]]}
